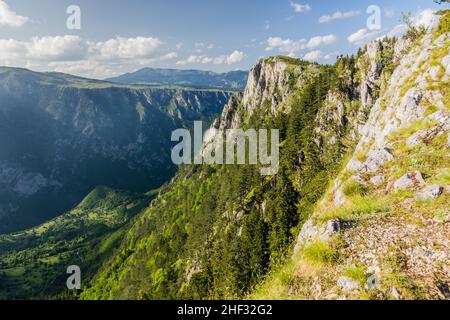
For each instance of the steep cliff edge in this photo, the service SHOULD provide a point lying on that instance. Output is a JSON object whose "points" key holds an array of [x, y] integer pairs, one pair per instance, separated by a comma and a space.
{"points": [[382, 229], [362, 185], [61, 136]]}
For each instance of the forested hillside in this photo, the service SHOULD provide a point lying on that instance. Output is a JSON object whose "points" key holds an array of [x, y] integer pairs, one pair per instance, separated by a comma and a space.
{"points": [[33, 263], [219, 231]]}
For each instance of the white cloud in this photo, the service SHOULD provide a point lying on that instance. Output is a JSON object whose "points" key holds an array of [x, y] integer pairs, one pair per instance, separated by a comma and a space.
{"points": [[362, 35], [398, 30], [9, 18], [126, 48], [339, 15], [291, 47], [234, 57], [300, 7], [313, 55], [315, 42], [72, 54], [169, 56], [331, 56], [58, 48], [285, 45], [12, 49], [426, 18]]}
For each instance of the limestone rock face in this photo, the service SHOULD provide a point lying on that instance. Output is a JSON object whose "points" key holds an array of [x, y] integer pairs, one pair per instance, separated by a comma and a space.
{"points": [[264, 81], [347, 284], [376, 159], [325, 232], [409, 180], [430, 192]]}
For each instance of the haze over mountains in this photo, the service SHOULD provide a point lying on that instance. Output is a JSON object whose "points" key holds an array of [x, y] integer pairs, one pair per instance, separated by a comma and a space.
{"points": [[61, 136], [233, 80]]}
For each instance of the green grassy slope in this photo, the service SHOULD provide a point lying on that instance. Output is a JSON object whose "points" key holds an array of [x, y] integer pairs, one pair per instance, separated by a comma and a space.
{"points": [[33, 263]]}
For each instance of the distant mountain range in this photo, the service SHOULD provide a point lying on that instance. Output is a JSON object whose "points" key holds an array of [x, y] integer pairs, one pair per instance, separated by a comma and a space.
{"points": [[61, 136], [234, 80]]}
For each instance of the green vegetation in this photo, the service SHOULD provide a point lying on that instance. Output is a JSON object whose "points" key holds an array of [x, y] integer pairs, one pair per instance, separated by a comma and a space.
{"points": [[216, 231], [320, 252], [444, 23], [33, 263], [357, 209]]}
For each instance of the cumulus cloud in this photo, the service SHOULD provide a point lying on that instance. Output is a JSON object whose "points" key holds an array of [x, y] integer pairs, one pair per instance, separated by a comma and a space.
{"points": [[339, 15], [426, 18], [126, 48], [291, 47], [169, 56], [58, 48], [313, 55], [234, 57], [361, 36], [300, 7], [315, 42], [9, 18], [44, 48], [93, 59], [331, 56], [285, 45]]}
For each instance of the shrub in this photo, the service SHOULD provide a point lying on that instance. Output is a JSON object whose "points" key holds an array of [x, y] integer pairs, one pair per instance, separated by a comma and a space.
{"points": [[357, 273], [444, 23], [320, 252], [354, 188]]}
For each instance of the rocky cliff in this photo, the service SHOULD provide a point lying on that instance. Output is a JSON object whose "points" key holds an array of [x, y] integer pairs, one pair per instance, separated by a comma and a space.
{"points": [[358, 208], [381, 230], [61, 136]]}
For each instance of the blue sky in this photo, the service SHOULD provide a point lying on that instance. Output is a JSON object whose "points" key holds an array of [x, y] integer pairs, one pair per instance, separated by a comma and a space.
{"points": [[219, 35]]}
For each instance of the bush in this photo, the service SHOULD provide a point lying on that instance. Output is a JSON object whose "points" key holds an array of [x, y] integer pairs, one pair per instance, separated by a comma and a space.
{"points": [[320, 252], [354, 188], [444, 24]]}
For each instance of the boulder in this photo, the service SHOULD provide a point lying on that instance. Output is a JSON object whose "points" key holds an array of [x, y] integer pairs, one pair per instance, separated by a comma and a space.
{"points": [[339, 198], [442, 120], [325, 232], [409, 180], [376, 159], [377, 181], [430, 192], [348, 285]]}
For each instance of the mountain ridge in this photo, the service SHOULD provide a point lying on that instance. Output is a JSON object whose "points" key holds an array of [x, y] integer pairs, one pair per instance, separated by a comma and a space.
{"points": [[62, 135], [233, 80], [223, 232]]}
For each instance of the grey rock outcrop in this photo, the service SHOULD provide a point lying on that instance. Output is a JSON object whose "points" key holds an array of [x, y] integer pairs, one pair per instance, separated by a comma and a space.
{"points": [[325, 232], [348, 285], [409, 180], [430, 192]]}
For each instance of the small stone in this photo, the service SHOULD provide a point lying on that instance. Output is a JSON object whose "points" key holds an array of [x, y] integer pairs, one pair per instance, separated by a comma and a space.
{"points": [[409, 180], [435, 72], [347, 284], [377, 181], [339, 198], [332, 296], [430, 192], [396, 294], [376, 159]]}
